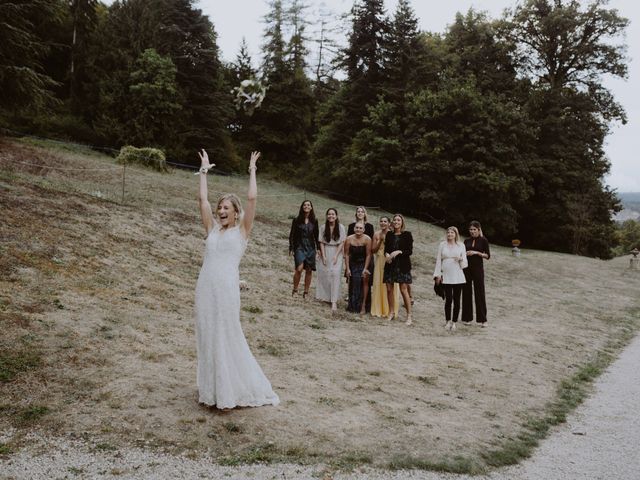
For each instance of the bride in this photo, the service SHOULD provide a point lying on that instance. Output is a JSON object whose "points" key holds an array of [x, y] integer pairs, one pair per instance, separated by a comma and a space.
{"points": [[228, 374]]}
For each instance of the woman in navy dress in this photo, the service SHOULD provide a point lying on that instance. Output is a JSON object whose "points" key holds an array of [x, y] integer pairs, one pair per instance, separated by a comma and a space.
{"points": [[304, 245]]}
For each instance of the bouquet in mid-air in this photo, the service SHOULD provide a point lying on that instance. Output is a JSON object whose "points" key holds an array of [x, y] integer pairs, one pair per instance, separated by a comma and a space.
{"points": [[249, 95]]}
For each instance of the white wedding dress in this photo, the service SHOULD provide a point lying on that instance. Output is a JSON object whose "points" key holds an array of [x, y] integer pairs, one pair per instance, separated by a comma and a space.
{"points": [[228, 374]]}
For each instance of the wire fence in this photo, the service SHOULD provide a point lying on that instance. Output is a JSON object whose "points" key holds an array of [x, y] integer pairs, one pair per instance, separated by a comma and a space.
{"points": [[125, 175]]}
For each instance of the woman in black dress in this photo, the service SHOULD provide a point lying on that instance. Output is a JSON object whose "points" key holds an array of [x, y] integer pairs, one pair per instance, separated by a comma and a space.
{"points": [[477, 247], [304, 245], [357, 256], [361, 216], [398, 246]]}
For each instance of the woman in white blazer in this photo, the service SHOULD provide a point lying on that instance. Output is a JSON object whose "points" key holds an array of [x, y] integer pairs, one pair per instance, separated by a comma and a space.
{"points": [[450, 262]]}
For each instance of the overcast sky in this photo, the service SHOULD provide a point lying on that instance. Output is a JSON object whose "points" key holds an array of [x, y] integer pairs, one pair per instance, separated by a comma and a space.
{"points": [[235, 19]]}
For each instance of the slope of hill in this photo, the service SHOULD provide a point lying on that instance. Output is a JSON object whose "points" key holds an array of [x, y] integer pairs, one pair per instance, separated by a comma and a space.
{"points": [[97, 341]]}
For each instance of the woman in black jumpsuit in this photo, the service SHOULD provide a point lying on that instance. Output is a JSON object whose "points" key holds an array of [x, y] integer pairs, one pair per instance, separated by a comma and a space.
{"points": [[477, 247]]}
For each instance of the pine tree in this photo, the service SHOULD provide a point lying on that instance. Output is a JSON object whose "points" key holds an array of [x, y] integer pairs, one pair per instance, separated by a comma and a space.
{"points": [[403, 55], [342, 117], [24, 84], [283, 123], [84, 17], [189, 39], [242, 125]]}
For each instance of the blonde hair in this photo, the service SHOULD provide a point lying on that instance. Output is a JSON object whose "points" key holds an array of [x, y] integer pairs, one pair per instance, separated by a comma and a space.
{"points": [[455, 230], [365, 213], [235, 203]]}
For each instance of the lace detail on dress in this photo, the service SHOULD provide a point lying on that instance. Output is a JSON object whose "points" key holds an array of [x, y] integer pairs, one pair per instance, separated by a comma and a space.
{"points": [[228, 375]]}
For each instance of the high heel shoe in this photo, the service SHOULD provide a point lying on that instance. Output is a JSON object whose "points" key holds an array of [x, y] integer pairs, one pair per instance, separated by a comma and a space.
{"points": [[448, 325], [294, 292], [304, 295], [391, 316]]}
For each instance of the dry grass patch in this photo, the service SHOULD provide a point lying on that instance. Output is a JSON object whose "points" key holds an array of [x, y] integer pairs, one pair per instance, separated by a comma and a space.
{"points": [[96, 305]]}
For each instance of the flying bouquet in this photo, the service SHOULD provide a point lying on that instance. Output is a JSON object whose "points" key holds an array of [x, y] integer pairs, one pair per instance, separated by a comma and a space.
{"points": [[249, 95]]}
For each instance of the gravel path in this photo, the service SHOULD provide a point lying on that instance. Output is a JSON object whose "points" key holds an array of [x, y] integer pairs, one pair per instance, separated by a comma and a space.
{"points": [[599, 441]]}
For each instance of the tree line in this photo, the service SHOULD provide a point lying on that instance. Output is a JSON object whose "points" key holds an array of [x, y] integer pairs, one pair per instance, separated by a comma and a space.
{"points": [[502, 120]]}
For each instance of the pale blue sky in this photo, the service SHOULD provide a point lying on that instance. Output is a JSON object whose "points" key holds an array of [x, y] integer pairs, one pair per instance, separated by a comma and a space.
{"points": [[236, 19]]}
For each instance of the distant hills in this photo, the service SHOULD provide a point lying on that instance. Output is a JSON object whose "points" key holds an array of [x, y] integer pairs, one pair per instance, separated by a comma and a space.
{"points": [[631, 206]]}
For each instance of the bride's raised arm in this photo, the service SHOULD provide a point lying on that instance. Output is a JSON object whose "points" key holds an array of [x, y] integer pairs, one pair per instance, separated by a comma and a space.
{"points": [[205, 207], [252, 195]]}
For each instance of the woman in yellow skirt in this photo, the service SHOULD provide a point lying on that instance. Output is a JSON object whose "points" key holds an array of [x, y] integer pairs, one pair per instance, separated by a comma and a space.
{"points": [[379, 301]]}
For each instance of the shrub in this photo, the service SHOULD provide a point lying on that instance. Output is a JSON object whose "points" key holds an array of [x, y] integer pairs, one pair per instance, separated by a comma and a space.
{"points": [[149, 157]]}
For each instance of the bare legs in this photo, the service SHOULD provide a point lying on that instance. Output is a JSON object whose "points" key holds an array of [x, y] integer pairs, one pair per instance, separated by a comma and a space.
{"points": [[404, 291], [297, 274], [365, 293], [391, 300]]}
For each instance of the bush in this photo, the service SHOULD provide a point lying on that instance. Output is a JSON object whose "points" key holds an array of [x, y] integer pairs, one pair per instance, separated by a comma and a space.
{"points": [[628, 236], [53, 126], [149, 157]]}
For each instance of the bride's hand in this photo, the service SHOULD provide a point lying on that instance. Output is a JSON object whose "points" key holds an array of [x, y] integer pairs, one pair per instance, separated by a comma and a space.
{"points": [[252, 161], [204, 159]]}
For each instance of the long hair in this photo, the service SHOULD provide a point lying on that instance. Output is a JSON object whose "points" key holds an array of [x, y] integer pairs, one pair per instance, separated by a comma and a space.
{"points": [[312, 215], [365, 213], [235, 203], [455, 230], [401, 218], [327, 228], [476, 223]]}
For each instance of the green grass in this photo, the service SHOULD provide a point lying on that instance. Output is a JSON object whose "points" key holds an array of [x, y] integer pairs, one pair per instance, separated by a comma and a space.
{"points": [[12, 363], [456, 464], [252, 309], [571, 393], [271, 453], [350, 460], [32, 414], [232, 427]]}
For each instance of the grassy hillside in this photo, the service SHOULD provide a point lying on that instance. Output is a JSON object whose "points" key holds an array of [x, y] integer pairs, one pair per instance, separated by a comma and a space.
{"points": [[97, 335]]}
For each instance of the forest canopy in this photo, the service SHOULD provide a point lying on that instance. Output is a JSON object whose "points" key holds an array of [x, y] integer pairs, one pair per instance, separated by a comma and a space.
{"points": [[501, 120]]}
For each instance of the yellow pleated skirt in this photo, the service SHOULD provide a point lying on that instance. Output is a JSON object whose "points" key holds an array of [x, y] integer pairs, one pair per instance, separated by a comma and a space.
{"points": [[379, 301]]}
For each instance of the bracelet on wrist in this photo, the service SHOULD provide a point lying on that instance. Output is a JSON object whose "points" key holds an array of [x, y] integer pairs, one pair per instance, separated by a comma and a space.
{"points": [[204, 170], [254, 168]]}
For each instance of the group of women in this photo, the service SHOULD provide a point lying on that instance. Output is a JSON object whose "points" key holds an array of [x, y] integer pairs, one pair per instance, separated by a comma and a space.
{"points": [[377, 268], [377, 264]]}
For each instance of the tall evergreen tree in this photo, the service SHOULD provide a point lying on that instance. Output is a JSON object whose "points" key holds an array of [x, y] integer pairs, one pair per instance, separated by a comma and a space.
{"points": [[242, 68], [342, 117], [283, 123], [189, 38], [84, 18], [24, 84], [404, 51], [242, 125], [153, 98], [175, 29]]}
